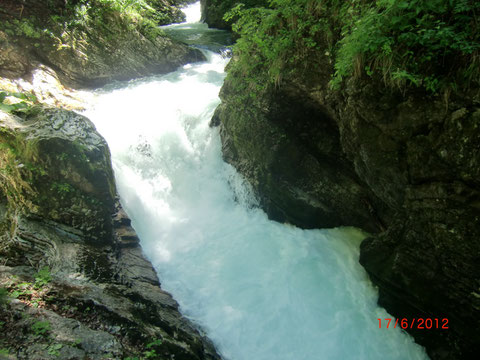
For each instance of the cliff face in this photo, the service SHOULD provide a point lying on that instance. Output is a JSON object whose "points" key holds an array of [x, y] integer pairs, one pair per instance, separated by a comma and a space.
{"points": [[405, 168], [99, 297], [89, 45], [74, 283], [402, 165], [214, 10]]}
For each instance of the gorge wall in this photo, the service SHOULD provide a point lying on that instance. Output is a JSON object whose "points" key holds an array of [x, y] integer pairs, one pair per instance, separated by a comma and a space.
{"points": [[100, 297], [74, 282], [400, 163], [404, 170], [90, 44], [214, 10]]}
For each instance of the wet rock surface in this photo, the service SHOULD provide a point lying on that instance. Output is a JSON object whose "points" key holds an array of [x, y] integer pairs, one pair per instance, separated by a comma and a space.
{"points": [[67, 293], [299, 181]]}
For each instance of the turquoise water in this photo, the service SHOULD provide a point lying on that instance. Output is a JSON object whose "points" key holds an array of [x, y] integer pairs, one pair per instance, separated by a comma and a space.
{"points": [[261, 290]]}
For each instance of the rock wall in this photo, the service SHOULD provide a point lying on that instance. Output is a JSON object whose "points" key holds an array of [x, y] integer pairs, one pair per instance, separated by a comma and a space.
{"points": [[214, 10], [58, 208], [109, 46], [402, 165]]}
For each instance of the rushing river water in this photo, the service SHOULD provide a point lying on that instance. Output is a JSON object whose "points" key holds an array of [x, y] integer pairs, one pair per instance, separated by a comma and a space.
{"points": [[261, 290]]}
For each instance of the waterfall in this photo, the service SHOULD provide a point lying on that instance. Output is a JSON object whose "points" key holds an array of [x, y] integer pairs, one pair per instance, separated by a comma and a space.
{"points": [[260, 290]]}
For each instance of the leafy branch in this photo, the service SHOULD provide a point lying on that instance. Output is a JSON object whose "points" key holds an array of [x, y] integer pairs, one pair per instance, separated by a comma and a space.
{"points": [[21, 101]]}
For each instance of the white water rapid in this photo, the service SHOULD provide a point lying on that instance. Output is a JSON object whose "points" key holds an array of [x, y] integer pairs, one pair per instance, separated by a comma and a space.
{"points": [[261, 290]]}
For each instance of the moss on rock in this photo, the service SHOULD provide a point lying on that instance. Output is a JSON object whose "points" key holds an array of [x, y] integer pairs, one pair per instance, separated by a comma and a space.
{"points": [[90, 43], [59, 169], [213, 11], [59, 208]]}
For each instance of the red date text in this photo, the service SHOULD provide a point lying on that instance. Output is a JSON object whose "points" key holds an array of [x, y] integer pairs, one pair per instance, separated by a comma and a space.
{"points": [[415, 323]]}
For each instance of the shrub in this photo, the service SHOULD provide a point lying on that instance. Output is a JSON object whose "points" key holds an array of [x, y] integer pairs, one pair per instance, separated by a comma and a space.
{"points": [[433, 44], [429, 43], [41, 328], [16, 101], [43, 277]]}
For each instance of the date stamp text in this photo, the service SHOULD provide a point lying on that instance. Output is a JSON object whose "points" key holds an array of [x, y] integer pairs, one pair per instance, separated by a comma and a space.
{"points": [[415, 323]]}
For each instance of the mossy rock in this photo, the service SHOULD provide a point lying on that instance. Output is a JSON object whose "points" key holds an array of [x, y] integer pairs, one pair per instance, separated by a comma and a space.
{"points": [[56, 166], [90, 44], [214, 10]]}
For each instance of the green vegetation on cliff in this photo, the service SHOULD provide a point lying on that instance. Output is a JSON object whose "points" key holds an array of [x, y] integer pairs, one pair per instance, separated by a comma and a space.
{"points": [[22, 101], [59, 19], [366, 113], [429, 44], [214, 10], [89, 43]]}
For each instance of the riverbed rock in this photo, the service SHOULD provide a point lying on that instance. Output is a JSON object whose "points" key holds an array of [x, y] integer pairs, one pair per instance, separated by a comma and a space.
{"points": [[44, 83], [74, 282]]}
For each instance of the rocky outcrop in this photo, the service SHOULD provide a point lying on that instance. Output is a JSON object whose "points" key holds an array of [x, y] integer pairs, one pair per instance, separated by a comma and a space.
{"points": [[45, 85], [127, 56], [96, 296], [214, 10], [288, 147], [102, 46], [404, 166], [421, 157]]}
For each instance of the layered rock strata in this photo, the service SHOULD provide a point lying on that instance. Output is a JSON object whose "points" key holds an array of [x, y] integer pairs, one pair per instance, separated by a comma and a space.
{"points": [[59, 211], [108, 47]]}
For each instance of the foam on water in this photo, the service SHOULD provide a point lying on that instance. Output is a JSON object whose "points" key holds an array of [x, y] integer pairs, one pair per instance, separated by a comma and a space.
{"points": [[261, 290], [193, 13]]}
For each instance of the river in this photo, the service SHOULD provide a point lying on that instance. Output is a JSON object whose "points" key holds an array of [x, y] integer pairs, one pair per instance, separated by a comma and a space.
{"points": [[260, 290]]}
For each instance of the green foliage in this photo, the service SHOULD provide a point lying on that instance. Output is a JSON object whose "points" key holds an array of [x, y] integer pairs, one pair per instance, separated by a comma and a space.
{"points": [[62, 188], [22, 290], [76, 343], [75, 24], [151, 353], [14, 172], [428, 43], [217, 8], [62, 156], [4, 352], [154, 343], [281, 38], [433, 44], [7, 105], [43, 277], [25, 289], [22, 27], [53, 349], [137, 14], [30, 292], [3, 297], [41, 328]]}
